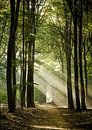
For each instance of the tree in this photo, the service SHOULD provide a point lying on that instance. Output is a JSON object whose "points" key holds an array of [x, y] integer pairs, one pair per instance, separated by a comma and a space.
{"points": [[83, 105], [23, 87], [11, 92], [31, 52], [68, 58], [75, 20], [85, 67]]}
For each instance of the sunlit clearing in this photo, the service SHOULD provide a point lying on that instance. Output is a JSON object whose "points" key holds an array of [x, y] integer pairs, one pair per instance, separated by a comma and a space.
{"points": [[48, 97], [52, 87]]}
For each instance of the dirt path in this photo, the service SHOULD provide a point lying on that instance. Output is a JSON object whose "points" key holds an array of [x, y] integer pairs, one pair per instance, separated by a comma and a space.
{"points": [[46, 117]]}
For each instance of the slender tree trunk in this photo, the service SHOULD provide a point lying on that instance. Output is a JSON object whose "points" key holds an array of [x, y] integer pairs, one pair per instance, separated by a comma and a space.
{"points": [[76, 58], [68, 60], [24, 77], [69, 81], [21, 86], [69, 69], [33, 49], [14, 75], [29, 62], [83, 105], [21, 80], [85, 70], [69, 84], [9, 76], [30, 79]]}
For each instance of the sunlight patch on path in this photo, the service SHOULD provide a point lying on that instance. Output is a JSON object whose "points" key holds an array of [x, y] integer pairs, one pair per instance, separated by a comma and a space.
{"points": [[55, 128], [47, 127]]}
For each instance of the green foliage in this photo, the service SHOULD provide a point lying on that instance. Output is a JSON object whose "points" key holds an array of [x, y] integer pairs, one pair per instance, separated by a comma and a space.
{"points": [[39, 96], [2, 74], [3, 97]]}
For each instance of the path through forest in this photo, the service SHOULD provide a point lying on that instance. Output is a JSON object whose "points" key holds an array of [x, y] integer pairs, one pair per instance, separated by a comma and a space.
{"points": [[48, 116], [46, 119]]}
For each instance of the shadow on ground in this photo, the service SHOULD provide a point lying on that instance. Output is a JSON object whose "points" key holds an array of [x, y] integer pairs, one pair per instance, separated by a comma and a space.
{"points": [[47, 117]]}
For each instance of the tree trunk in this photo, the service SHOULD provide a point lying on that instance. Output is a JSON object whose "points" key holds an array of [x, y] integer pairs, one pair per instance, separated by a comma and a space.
{"points": [[14, 74], [83, 105], [68, 59], [71, 106], [85, 70], [24, 73], [75, 58], [21, 84], [11, 79], [9, 59], [31, 51], [9, 76]]}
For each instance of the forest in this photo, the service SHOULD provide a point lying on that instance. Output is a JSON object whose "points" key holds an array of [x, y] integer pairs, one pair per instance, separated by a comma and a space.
{"points": [[45, 64]]}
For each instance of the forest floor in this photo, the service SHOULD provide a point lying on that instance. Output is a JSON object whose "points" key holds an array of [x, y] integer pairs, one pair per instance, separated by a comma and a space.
{"points": [[45, 117]]}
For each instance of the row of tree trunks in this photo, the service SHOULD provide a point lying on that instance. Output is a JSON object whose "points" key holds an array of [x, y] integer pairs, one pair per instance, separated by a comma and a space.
{"points": [[76, 14], [30, 52], [11, 57]]}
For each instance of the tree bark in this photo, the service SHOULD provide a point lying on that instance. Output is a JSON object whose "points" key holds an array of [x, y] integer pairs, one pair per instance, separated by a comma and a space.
{"points": [[31, 51], [10, 56], [68, 59], [85, 70], [76, 58], [69, 82], [24, 73], [14, 74], [9, 59], [83, 105]]}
